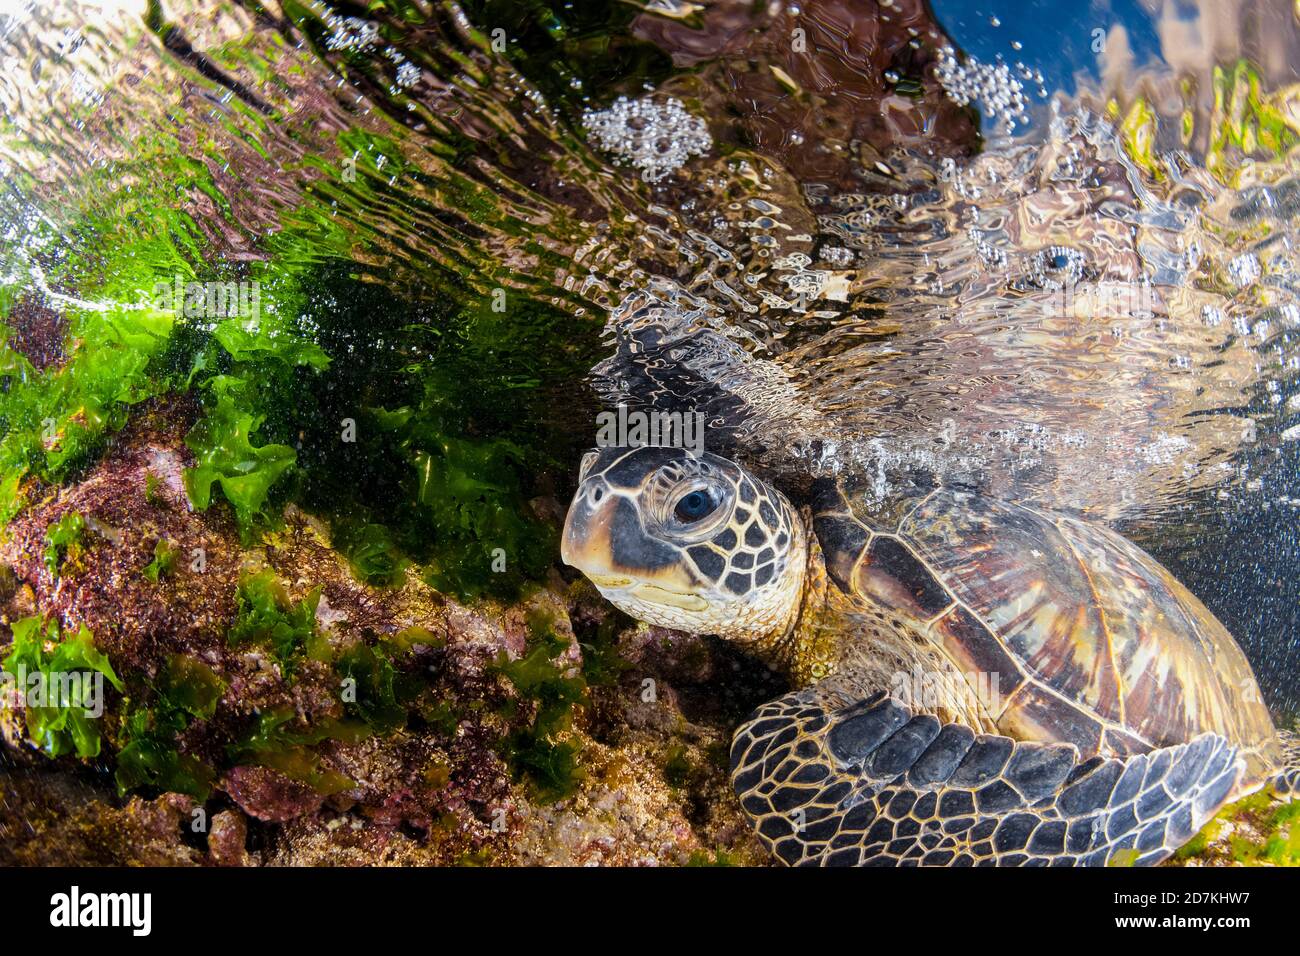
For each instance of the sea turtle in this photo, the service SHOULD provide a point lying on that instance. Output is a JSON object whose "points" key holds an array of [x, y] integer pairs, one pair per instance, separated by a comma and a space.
{"points": [[980, 682]]}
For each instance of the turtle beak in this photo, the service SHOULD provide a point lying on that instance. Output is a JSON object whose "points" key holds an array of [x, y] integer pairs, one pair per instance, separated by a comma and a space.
{"points": [[604, 539], [585, 543]]}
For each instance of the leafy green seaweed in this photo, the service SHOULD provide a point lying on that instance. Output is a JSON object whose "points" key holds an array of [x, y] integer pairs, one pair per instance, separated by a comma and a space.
{"points": [[267, 616], [227, 457], [378, 693], [273, 742], [152, 489], [371, 551], [165, 557], [54, 421], [550, 766], [63, 541], [62, 722], [187, 690], [602, 663], [451, 395]]}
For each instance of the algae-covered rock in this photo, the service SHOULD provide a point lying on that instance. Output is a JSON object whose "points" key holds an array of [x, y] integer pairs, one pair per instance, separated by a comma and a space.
{"points": [[1262, 829], [274, 709]]}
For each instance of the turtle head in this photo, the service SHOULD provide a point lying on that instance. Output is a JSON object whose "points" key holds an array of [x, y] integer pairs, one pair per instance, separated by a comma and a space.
{"points": [[688, 541]]}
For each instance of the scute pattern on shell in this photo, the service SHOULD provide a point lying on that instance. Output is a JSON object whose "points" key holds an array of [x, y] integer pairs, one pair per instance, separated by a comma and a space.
{"points": [[1092, 641]]}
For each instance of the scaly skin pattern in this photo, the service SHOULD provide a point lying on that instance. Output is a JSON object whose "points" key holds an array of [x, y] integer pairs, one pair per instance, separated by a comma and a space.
{"points": [[876, 784], [736, 573]]}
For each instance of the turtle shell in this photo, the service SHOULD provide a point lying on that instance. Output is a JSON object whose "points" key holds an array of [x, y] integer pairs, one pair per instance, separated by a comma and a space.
{"points": [[1089, 639]]}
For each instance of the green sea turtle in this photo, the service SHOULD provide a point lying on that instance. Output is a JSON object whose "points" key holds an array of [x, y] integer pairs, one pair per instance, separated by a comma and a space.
{"points": [[981, 683]]}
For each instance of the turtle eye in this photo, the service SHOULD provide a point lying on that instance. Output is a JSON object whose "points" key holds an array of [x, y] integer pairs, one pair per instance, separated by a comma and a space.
{"points": [[695, 505]]}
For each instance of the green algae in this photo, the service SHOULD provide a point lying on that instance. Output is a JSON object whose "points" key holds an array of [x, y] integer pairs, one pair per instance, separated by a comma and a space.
{"points": [[376, 692], [1260, 831], [304, 765], [41, 647], [538, 753], [1198, 844], [371, 551], [279, 729], [227, 457], [152, 489], [1137, 135], [421, 482], [267, 616], [379, 693], [427, 378], [452, 401], [1283, 844], [1247, 119], [602, 663], [1278, 825], [191, 686], [54, 422], [278, 740], [678, 769], [185, 691], [63, 542], [127, 233], [165, 558], [247, 370]]}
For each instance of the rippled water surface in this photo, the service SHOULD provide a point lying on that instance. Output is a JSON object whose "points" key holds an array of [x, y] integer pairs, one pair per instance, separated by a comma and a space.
{"points": [[1071, 281]]}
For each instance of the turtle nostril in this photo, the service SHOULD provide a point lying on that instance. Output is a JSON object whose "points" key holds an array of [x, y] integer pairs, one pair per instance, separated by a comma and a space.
{"points": [[596, 494]]}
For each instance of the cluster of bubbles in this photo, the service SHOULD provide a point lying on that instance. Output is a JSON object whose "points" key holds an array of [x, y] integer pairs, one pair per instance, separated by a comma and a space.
{"points": [[837, 256], [350, 33], [993, 88], [360, 36], [1056, 268], [1244, 269], [408, 74], [655, 138]]}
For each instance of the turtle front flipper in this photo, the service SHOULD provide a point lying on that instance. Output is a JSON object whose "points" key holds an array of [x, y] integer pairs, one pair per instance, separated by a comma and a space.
{"points": [[874, 783]]}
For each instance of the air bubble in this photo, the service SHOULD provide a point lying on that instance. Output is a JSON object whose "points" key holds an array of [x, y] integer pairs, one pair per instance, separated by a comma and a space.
{"points": [[655, 138]]}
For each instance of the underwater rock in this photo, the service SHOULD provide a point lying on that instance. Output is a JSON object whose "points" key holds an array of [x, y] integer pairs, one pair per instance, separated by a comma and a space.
{"points": [[547, 730], [269, 795], [228, 839], [50, 817]]}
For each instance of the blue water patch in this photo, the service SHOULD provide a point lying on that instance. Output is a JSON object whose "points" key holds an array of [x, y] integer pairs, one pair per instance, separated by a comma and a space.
{"points": [[1059, 39]]}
